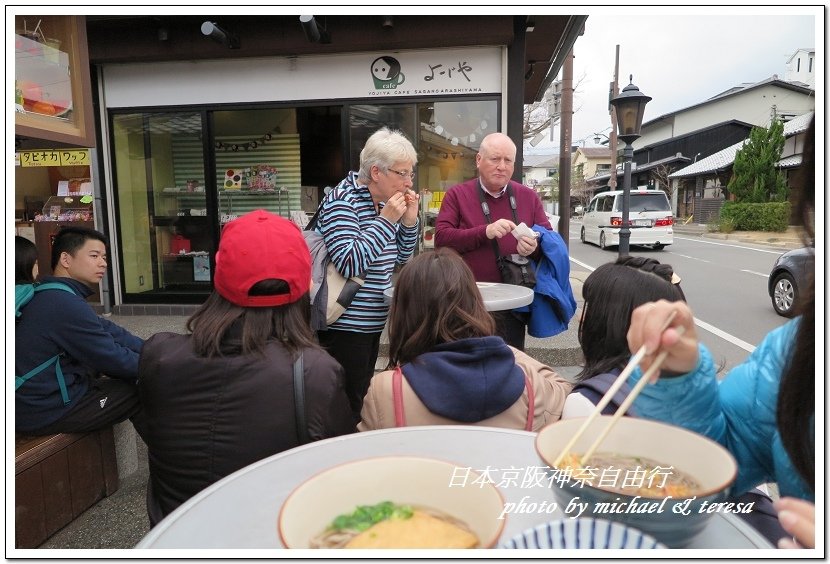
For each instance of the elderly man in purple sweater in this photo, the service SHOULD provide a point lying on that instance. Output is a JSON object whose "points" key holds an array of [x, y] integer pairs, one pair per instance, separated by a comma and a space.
{"points": [[463, 226]]}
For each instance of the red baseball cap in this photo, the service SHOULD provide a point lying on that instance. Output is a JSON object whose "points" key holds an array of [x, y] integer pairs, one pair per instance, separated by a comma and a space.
{"points": [[258, 246]]}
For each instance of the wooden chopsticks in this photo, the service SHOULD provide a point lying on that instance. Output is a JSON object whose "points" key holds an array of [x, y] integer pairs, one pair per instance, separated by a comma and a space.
{"points": [[618, 383]]}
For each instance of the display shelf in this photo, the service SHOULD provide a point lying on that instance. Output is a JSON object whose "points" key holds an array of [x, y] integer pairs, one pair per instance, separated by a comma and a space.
{"points": [[185, 255], [184, 193], [266, 192], [174, 220]]}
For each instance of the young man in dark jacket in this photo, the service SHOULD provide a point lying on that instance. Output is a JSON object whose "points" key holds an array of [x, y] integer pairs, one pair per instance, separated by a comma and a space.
{"points": [[76, 397]]}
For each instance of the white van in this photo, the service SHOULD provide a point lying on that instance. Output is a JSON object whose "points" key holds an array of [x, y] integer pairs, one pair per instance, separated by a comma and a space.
{"points": [[649, 215]]}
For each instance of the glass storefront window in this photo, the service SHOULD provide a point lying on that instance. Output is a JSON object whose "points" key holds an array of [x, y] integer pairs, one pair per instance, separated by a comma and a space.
{"points": [[257, 162], [165, 232], [449, 137], [172, 203], [179, 176], [365, 119]]}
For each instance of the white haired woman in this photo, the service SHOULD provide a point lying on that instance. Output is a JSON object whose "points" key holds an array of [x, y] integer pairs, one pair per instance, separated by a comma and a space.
{"points": [[369, 223]]}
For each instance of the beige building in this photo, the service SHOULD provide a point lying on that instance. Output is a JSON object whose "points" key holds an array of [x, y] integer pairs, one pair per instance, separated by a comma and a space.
{"points": [[538, 168], [588, 161]]}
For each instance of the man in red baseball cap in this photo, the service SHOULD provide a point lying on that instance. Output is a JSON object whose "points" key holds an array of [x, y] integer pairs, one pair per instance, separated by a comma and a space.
{"points": [[222, 397]]}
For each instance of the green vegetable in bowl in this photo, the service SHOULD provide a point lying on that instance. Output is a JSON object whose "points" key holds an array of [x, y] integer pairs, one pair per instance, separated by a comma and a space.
{"points": [[367, 515]]}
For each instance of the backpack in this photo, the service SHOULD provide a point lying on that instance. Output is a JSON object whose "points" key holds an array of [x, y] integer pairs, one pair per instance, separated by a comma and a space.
{"points": [[23, 294]]}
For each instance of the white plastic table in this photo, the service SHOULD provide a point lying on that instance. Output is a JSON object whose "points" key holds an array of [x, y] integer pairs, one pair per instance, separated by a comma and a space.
{"points": [[241, 510], [496, 296]]}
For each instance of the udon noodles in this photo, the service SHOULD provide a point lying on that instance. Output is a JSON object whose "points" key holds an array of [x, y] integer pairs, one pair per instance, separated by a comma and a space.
{"points": [[658, 480], [386, 525]]}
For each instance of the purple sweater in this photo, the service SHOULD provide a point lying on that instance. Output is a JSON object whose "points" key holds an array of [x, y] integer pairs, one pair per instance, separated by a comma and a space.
{"points": [[462, 226]]}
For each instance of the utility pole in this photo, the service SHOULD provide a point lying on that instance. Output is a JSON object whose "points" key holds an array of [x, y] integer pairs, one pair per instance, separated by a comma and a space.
{"points": [[612, 182], [565, 126]]}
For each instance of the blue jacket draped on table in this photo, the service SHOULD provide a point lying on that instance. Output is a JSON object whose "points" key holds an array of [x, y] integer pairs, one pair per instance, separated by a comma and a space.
{"points": [[739, 412], [553, 303]]}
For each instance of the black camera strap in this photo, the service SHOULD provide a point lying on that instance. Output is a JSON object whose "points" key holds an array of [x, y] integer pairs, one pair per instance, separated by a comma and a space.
{"points": [[486, 209]]}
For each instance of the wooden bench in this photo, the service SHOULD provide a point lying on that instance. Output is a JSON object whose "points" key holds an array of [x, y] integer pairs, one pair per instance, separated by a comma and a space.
{"points": [[58, 477]]}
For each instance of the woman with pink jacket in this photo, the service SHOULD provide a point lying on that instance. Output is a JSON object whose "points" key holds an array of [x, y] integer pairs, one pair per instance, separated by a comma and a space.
{"points": [[447, 366]]}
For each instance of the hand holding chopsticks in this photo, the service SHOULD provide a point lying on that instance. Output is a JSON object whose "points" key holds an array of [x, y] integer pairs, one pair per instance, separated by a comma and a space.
{"points": [[618, 383], [629, 400]]}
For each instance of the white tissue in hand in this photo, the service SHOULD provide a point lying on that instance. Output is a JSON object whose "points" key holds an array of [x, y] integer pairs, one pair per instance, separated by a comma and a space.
{"points": [[524, 230]]}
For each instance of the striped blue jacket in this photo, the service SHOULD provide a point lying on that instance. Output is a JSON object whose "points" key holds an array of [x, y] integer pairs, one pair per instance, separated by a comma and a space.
{"points": [[358, 240]]}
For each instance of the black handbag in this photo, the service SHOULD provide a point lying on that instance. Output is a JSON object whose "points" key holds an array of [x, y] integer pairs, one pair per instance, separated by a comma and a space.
{"points": [[514, 269]]}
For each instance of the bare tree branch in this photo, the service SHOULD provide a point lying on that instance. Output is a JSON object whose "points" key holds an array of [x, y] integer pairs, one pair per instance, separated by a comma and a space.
{"points": [[660, 174], [537, 115]]}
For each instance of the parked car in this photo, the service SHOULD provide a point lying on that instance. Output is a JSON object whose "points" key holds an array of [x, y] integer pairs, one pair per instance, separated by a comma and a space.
{"points": [[788, 278], [650, 219]]}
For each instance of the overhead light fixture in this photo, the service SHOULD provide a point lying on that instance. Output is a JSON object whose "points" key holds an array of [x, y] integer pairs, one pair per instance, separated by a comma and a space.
{"points": [[388, 22], [220, 35], [530, 25], [314, 32]]}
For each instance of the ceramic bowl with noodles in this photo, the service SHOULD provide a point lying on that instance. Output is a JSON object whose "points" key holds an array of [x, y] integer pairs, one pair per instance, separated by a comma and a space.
{"points": [[393, 502], [645, 474]]}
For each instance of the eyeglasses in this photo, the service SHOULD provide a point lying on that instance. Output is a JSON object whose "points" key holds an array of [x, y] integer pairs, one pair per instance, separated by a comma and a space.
{"points": [[403, 173]]}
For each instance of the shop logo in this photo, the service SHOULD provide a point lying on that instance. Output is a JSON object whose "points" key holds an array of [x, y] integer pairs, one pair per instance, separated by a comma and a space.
{"points": [[386, 72]]}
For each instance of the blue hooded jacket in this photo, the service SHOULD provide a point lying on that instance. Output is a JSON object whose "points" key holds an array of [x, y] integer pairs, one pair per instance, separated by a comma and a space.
{"points": [[58, 322], [553, 303], [467, 380], [739, 412]]}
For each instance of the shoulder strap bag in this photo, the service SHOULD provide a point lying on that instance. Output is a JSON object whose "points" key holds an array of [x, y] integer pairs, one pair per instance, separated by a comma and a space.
{"points": [[340, 291], [299, 402]]}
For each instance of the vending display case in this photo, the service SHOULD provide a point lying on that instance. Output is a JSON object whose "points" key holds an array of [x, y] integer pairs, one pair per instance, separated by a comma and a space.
{"points": [[53, 94], [76, 207]]}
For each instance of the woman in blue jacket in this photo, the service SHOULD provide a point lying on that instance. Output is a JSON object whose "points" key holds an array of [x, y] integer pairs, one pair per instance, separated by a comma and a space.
{"points": [[763, 411]]}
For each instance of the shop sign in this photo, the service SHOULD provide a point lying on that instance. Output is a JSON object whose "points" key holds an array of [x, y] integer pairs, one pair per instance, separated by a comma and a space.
{"points": [[432, 73], [62, 157], [427, 72]]}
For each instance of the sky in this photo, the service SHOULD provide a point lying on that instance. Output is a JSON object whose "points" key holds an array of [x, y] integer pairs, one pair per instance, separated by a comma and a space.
{"points": [[680, 56]]}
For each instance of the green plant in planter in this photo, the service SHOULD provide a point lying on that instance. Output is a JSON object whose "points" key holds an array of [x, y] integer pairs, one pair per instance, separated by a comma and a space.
{"points": [[726, 225]]}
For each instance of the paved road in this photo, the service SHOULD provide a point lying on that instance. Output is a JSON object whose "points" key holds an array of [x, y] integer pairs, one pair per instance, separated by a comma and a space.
{"points": [[725, 284]]}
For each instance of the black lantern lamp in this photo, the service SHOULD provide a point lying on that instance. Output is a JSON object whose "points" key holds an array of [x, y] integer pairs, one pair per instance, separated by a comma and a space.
{"points": [[630, 106]]}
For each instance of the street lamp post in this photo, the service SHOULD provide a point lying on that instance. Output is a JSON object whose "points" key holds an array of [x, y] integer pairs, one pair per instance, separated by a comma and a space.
{"points": [[630, 106]]}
